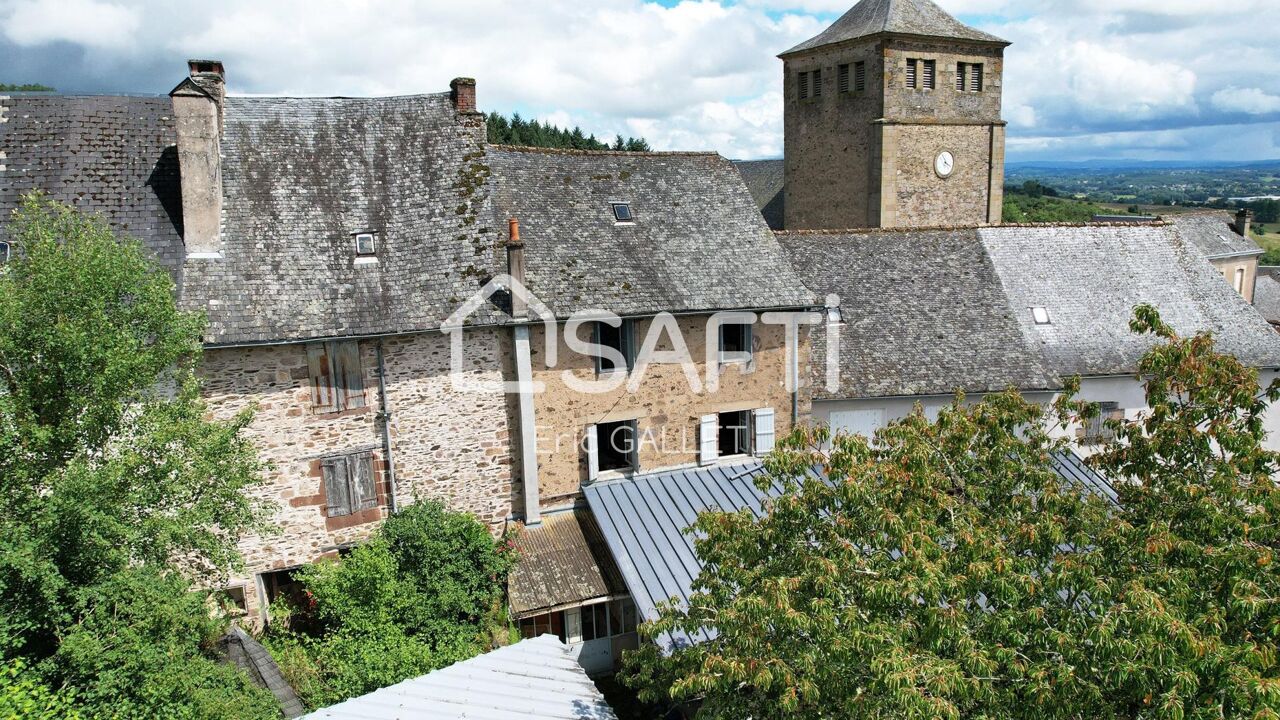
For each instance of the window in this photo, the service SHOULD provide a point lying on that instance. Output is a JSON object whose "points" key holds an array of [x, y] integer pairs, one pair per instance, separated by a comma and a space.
{"points": [[611, 447], [857, 422], [921, 74], [548, 624], [842, 79], [816, 80], [365, 246], [1240, 280], [859, 77], [969, 77], [281, 585], [803, 85], [622, 212], [1041, 316], [594, 622], [337, 380], [622, 617], [4, 252], [1095, 431], [735, 342], [622, 339], [735, 433], [348, 484]]}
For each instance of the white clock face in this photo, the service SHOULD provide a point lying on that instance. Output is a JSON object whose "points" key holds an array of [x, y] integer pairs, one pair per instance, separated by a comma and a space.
{"points": [[945, 164]]}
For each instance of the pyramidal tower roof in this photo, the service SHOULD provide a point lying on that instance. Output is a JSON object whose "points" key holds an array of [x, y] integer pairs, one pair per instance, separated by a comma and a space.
{"points": [[901, 17]]}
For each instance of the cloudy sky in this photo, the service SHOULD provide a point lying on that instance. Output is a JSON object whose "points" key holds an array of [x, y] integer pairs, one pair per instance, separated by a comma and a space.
{"points": [[1142, 79]]}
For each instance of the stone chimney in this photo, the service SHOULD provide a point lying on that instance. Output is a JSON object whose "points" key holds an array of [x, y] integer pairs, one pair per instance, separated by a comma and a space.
{"points": [[198, 111], [464, 94], [515, 268], [1244, 221]]}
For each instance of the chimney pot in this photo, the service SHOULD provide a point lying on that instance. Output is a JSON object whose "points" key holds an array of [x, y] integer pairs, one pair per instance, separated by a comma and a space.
{"points": [[1244, 219], [464, 94]]}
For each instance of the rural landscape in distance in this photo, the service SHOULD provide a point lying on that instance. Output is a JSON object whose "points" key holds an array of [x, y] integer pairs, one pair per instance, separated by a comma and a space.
{"points": [[641, 360]]}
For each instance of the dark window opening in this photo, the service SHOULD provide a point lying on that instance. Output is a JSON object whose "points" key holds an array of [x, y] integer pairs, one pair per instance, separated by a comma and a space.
{"points": [[622, 212], [735, 433], [4, 252], [735, 342], [549, 624], [281, 585], [616, 445], [619, 338]]}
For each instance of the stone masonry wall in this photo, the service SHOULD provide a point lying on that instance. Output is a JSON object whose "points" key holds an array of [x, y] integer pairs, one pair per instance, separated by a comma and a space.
{"points": [[448, 446], [666, 408], [914, 194]]}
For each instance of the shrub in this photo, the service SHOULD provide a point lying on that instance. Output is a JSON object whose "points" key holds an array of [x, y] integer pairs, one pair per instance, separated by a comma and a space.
{"points": [[23, 695]]}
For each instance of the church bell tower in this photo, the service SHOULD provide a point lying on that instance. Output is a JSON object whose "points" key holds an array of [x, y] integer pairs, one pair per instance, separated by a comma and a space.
{"points": [[893, 121]]}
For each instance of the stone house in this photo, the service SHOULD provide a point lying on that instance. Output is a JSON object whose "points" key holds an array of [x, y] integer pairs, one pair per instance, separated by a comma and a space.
{"points": [[1225, 241]]}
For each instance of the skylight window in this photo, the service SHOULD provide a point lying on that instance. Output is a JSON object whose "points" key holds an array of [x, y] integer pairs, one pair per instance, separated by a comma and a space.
{"points": [[1041, 316], [622, 212], [365, 245]]}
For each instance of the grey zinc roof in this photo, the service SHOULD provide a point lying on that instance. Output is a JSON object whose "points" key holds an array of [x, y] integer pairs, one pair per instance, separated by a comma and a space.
{"points": [[698, 242], [1214, 233], [300, 175], [766, 181], [536, 678], [1090, 278], [113, 157], [644, 519], [924, 313], [563, 562], [901, 17], [1266, 297]]}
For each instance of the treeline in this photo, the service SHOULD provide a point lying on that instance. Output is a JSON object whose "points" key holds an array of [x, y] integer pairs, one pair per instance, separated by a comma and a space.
{"points": [[29, 87], [1033, 202], [531, 133]]}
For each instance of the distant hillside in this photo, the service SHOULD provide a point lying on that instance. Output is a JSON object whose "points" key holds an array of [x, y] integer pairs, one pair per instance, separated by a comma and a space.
{"points": [[1162, 184], [29, 87]]}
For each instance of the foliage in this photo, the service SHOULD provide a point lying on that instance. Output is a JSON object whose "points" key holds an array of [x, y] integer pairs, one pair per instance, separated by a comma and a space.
{"points": [[420, 595], [945, 571], [531, 133], [1043, 207], [24, 696], [25, 87], [110, 473]]}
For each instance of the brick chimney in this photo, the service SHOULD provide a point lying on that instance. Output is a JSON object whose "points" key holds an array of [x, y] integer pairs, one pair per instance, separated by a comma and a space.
{"points": [[515, 267], [198, 110], [1244, 221], [464, 94]]}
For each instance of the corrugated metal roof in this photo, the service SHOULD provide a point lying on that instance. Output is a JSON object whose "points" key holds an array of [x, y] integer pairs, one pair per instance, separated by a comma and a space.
{"points": [[535, 679], [643, 520], [564, 561]]}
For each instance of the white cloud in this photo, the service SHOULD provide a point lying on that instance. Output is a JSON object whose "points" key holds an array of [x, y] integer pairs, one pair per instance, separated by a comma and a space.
{"points": [[1251, 101], [83, 22]]}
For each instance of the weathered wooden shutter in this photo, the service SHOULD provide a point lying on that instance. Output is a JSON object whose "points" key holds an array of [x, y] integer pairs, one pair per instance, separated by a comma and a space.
{"points": [[842, 79], [593, 453], [364, 492], [337, 486], [764, 431], [324, 393], [708, 440], [804, 85], [860, 76], [350, 373], [817, 83]]}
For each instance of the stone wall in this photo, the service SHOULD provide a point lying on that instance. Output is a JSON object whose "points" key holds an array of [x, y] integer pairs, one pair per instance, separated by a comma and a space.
{"points": [[448, 446], [1229, 266], [916, 196], [665, 407]]}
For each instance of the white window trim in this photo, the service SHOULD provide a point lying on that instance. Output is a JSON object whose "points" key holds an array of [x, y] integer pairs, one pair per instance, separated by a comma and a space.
{"points": [[373, 242]]}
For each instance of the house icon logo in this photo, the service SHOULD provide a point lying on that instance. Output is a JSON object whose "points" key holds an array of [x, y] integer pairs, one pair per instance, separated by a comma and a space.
{"points": [[466, 381]]}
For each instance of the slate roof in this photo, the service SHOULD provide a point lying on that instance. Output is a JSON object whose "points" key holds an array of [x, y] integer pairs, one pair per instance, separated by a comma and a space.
{"points": [[1266, 297], [644, 518], [899, 17], [537, 679], [1090, 278], [242, 650], [697, 244], [1214, 233], [563, 562], [924, 313], [114, 157], [766, 181], [300, 175]]}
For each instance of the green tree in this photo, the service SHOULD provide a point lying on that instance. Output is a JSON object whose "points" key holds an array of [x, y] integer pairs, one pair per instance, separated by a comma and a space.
{"points": [[946, 571], [518, 131], [112, 479]]}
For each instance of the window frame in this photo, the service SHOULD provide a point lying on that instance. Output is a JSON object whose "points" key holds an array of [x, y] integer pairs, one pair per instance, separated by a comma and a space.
{"points": [[596, 436], [6, 252], [745, 435], [372, 251], [748, 334], [626, 342], [1095, 430], [625, 205]]}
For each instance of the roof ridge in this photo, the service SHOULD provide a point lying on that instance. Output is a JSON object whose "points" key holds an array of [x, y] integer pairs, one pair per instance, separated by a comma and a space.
{"points": [[405, 96], [956, 228], [604, 153]]}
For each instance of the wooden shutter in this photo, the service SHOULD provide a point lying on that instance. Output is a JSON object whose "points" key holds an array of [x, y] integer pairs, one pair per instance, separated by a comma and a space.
{"points": [[860, 76], [930, 74], [708, 440], [364, 492], [593, 453], [324, 394], [350, 374], [763, 423], [962, 70], [842, 79], [975, 79], [804, 85], [911, 73], [337, 487], [817, 83]]}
